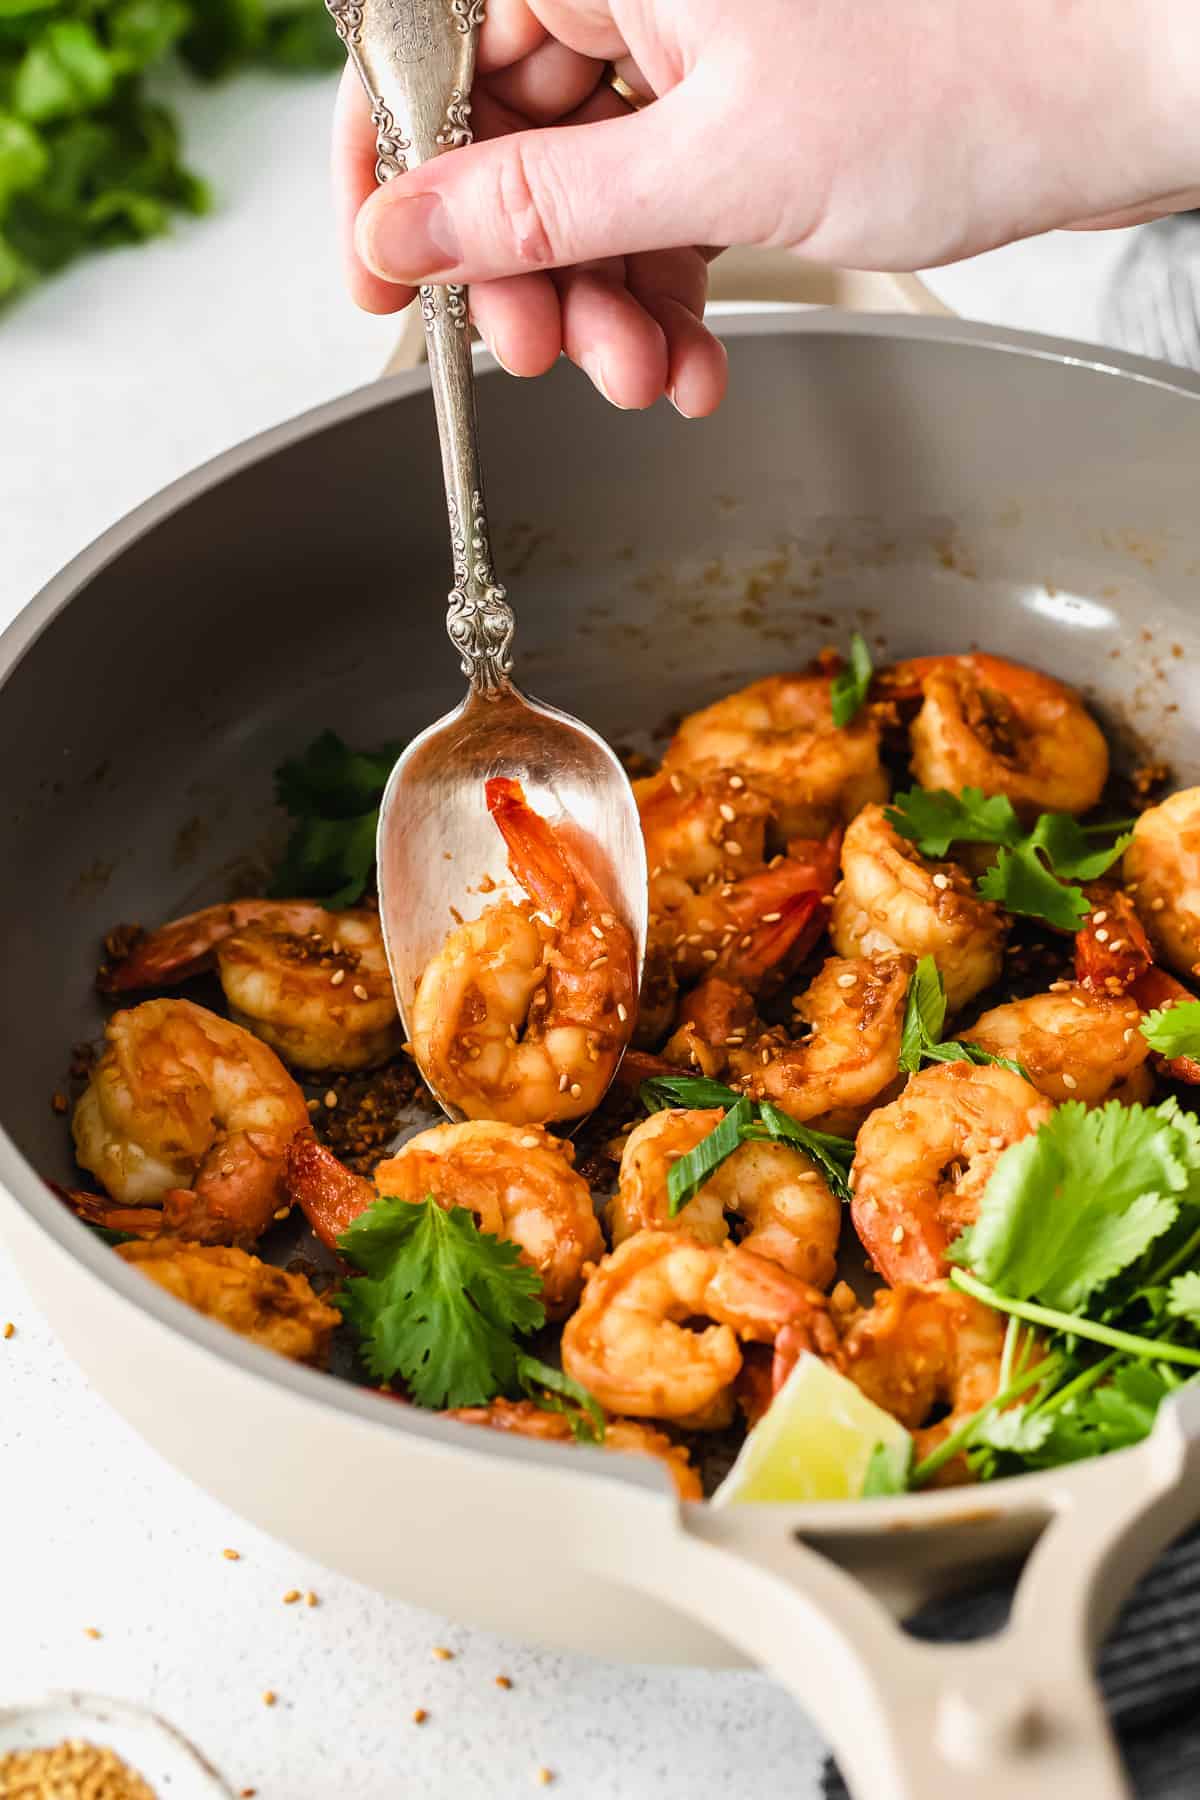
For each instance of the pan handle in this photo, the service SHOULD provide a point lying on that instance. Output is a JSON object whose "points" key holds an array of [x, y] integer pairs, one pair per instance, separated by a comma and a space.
{"points": [[1016, 1713], [744, 276]]}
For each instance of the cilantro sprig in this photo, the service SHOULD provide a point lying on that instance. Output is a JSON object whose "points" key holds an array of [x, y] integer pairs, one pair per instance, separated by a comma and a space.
{"points": [[332, 794], [442, 1305], [745, 1120], [851, 683], [1035, 870], [924, 1019], [1174, 1030]]}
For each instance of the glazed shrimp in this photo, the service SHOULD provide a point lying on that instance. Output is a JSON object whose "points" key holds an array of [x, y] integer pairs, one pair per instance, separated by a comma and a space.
{"points": [[524, 1013], [625, 1436], [519, 1182], [1072, 1043], [892, 898], [779, 735], [989, 723], [269, 1306], [777, 1192], [313, 984], [1162, 868], [914, 1351], [627, 1343], [1113, 957], [922, 1163], [854, 1011], [186, 1122]]}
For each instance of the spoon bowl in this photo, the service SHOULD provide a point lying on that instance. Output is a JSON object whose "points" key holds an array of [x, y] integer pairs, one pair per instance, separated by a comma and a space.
{"points": [[440, 855]]}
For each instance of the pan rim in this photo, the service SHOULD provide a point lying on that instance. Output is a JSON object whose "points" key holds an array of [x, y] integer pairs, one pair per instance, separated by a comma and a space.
{"points": [[1036, 1495]]}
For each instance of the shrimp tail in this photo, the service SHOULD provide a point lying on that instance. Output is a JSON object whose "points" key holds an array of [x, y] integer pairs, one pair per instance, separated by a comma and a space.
{"points": [[330, 1196], [98, 1209], [175, 952], [1154, 989], [535, 856], [1112, 951], [782, 943]]}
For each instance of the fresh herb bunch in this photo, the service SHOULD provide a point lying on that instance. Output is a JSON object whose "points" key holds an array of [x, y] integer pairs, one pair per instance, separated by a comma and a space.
{"points": [[332, 794], [87, 159], [924, 1020], [745, 1120], [1034, 870], [1088, 1231], [443, 1305]]}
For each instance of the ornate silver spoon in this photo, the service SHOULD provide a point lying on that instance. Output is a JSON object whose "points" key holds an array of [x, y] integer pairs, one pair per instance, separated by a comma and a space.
{"points": [[438, 845]]}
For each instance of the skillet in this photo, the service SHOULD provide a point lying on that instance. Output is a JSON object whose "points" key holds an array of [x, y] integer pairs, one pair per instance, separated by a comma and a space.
{"points": [[938, 485]]}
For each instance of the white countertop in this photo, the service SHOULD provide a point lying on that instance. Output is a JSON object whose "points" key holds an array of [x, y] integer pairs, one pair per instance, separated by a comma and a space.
{"points": [[115, 379]]}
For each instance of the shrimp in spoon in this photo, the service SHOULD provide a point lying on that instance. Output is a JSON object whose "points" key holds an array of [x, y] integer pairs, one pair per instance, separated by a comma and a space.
{"points": [[525, 1012]]}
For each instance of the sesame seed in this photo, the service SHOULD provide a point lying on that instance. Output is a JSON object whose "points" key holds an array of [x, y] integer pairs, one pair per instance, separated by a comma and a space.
{"points": [[360, 992], [232, 1555], [996, 1143], [608, 920], [504, 1681], [597, 933], [708, 956], [281, 1212], [764, 1057], [941, 882], [544, 1777], [1118, 944], [9, 1329], [330, 1098], [622, 1012], [1078, 1000], [89, 1631], [597, 962], [269, 1697], [746, 942], [1127, 1034], [291, 1597], [576, 1091], [310, 1599], [528, 1143], [442, 1654], [1102, 937], [1070, 1083], [1098, 918], [1157, 905], [772, 918], [563, 1084], [735, 782], [847, 980], [337, 978], [419, 1715], [676, 784], [898, 1235], [730, 848]]}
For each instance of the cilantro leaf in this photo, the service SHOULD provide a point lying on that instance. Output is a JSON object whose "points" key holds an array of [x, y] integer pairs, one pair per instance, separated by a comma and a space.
{"points": [[1079, 1202], [1183, 1297], [850, 684], [887, 1472], [934, 818], [1018, 1431], [924, 1018], [1068, 849], [333, 795], [1020, 882], [1123, 1411], [439, 1302], [1174, 1030]]}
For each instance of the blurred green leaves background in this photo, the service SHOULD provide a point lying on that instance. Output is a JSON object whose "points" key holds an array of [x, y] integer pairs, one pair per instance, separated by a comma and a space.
{"points": [[87, 157]]}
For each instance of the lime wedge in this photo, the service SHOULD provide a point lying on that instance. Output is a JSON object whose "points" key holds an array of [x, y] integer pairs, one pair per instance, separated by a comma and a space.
{"points": [[815, 1442]]}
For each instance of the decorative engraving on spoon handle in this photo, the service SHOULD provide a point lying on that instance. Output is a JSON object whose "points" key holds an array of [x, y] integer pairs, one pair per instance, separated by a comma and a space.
{"points": [[416, 60]]}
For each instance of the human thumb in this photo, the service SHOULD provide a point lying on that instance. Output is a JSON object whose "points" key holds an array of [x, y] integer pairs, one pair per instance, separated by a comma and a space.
{"points": [[548, 198]]}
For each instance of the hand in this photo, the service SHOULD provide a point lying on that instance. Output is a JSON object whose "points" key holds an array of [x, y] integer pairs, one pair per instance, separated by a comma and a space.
{"points": [[866, 136]]}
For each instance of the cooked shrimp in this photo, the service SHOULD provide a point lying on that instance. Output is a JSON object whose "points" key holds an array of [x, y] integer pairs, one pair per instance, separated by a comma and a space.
{"points": [[922, 1163], [1162, 867], [625, 1436], [915, 1351], [1113, 956], [1072, 1043], [855, 1013], [779, 735], [776, 1191], [989, 723], [628, 1343], [892, 898], [519, 1182], [313, 984], [266, 1305], [524, 1013], [186, 1122]]}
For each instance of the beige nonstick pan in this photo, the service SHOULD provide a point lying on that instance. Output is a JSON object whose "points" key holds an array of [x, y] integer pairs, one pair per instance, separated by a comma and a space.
{"points": [[938, 484]]}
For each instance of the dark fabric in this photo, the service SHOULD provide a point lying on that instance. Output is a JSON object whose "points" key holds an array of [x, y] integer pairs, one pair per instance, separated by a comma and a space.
{"points": [[1149, 1670]]}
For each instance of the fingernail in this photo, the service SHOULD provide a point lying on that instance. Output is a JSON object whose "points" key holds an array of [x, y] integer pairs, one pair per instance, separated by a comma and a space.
{"points": [[673, 397], [496, 357], [407, 240], [593, 368]]}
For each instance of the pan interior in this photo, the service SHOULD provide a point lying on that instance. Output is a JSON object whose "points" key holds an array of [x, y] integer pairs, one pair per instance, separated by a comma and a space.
{"points": [[937, 494]]}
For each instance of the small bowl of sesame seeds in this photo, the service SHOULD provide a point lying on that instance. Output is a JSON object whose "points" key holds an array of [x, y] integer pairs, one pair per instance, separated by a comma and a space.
{"points": [[73, 1743]]}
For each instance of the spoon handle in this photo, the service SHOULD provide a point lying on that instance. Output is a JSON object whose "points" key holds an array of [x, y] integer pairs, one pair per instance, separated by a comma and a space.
{"points": [[416, 60]]}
